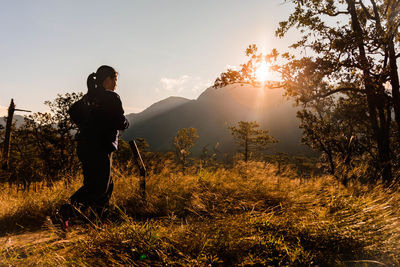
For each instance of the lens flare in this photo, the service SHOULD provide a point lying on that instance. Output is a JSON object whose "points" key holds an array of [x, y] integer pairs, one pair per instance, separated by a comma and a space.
{"points": [[262, 72]]}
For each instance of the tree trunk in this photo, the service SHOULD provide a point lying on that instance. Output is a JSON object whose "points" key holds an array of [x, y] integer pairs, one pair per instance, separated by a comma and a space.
{"points": [[390, 52], [246, 150], [394, 81], [377, 120]]}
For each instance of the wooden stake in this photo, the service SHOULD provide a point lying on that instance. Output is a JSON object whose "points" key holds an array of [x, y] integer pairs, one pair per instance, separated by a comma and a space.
{"points": [[142, 168], [7, 137]]}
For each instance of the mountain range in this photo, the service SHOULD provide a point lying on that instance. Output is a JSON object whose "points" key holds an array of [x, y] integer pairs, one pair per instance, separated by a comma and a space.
{"points": [[17, 119], [213, 112]]}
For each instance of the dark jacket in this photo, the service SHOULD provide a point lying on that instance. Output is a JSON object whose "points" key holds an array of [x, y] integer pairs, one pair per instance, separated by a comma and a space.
{"points": [[99, 119]]}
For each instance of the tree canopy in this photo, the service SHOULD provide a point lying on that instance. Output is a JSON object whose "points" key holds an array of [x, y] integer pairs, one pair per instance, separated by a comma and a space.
{"points": [[250, 139], [344, 75], [183, 143]]}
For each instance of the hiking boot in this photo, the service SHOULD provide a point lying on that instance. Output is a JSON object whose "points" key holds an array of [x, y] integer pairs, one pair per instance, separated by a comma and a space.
{"points": [[57, 222]]}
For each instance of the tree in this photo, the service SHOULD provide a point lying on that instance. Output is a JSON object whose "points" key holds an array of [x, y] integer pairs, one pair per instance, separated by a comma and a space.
{"points": [[249, 138], [44, 147], [123, 155], [352, 49], [65, 128], [247, 73], [355, 57], [2, 133], [142, 144], [183, 143]]}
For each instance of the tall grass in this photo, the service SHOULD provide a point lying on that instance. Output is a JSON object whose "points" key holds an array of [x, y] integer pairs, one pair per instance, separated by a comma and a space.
{"points": [[245, 215]]}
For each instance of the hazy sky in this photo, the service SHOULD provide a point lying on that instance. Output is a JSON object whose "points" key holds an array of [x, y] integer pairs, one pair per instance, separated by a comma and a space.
{"points": [[160, 47]]}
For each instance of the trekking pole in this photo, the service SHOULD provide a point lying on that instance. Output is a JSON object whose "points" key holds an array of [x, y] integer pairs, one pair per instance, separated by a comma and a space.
{"points": [[142, 168]]}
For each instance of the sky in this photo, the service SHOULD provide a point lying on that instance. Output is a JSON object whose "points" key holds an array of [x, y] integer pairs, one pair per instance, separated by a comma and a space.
{"points": [[160, 48]]}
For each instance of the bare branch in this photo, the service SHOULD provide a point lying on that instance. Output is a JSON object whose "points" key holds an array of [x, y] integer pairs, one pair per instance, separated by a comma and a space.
{"points": [[385, 61], [366, 12], [387, 7], [393, 32], [341, 90], [276, 85], [335, 14]]}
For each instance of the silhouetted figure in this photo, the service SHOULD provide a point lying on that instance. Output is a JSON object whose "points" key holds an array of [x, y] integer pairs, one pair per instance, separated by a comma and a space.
{"points": [[99, 116]]}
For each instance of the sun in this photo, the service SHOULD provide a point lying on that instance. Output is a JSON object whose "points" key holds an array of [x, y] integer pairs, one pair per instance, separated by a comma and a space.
{"points": [[262, 72]]}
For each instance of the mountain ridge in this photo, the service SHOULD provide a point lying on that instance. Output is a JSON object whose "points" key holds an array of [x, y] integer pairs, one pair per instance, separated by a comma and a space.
{"points": [[216, 109], [156, 108], [17, 119]]}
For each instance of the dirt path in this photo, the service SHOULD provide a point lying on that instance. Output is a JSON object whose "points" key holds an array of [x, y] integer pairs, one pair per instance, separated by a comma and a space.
{"points": [[38, 247], [28, 239]]}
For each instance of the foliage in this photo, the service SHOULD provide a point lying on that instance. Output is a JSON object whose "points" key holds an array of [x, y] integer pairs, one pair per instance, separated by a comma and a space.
{"points": [[354, 64], [250, 139], [183, 143], [209, 158], [123, 156], [347, 83], [43, 148], [246, 74], [142, 144]]}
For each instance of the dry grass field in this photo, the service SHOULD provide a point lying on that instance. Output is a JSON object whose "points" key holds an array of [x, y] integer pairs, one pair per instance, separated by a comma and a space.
{"points": [[243, 216]]}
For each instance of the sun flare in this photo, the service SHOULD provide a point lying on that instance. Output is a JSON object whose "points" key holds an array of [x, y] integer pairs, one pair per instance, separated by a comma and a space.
{"points": [[262, 72]]}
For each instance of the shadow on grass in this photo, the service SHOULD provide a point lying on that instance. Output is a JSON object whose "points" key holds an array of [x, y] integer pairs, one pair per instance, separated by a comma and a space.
{"points": [[22, 221]]}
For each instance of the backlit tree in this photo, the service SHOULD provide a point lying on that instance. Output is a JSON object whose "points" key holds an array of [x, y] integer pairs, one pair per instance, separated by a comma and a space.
{"points": [[249, 138]]}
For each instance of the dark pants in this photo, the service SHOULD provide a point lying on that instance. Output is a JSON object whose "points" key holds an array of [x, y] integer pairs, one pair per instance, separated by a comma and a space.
{"points": [[97, 182]]}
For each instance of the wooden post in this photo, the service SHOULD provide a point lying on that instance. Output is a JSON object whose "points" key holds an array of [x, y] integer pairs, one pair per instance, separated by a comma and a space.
{"points": [[142, 168], [7, 137]]}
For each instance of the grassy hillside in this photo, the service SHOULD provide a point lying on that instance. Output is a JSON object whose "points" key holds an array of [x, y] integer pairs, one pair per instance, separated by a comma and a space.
{"points": [[246, 215]]}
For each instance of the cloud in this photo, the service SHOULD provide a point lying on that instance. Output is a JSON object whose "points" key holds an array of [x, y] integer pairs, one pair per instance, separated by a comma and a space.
{"points": [[177, 85], [184, 83]]}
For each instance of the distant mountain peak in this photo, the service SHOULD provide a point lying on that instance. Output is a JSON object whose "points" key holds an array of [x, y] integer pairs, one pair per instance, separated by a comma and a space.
{"points": [[167, 102], [211, 114], [157, 108], [17, 119]]}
